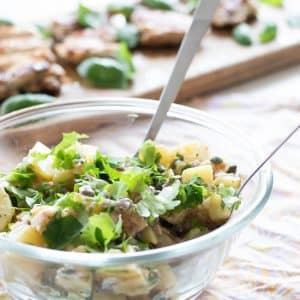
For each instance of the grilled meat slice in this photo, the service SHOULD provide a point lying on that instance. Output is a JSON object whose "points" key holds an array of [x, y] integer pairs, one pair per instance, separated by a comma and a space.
{"points": [[63, 27], [20, 44], [160, 28], [34, 72], [9, 31], [86, 43], [233, 12]]}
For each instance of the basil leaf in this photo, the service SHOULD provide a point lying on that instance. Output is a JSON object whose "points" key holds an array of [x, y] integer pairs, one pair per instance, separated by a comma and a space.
{"points": [[276, 3], [129, 34], [242, 34], [104, 72], [126, 9], [158, 4], [87, 17], [268, 33]]}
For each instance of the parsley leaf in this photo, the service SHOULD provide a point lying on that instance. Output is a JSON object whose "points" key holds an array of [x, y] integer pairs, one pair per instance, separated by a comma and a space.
{"points": [[192, 193], [24, 198], [65, 152], [61, 230], [101, 230], [229, 197], [148, 154], [153, 206], [119, 190], [21, 177]]}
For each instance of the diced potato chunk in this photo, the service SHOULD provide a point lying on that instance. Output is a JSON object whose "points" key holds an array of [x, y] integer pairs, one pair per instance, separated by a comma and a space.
{"points": [[37, 148], [205, 172], [228, 180], [87, 152], [44, 168], [6, 209], [27, 234], [193, 152], [167, 155], [216, 212]]}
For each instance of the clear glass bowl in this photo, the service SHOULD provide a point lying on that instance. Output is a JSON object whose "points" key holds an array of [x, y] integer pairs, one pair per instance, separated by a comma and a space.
{"points": [[117, 126]]}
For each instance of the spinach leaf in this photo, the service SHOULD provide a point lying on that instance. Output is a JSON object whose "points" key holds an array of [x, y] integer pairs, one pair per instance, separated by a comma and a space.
{"points": [[61, 230]]}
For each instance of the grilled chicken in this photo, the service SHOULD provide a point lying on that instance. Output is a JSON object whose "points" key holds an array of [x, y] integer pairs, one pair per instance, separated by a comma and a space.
{"points": [[63, 27], [87, 43], [27, 64], [233, 12], [160, 28]]}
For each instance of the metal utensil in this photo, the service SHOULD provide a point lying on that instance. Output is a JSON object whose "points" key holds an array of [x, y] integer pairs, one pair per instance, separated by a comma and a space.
{"points": [[189, 46], [273, 152]]}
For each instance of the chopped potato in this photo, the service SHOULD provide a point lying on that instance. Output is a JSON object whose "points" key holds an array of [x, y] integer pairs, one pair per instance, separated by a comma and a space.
{"points": [[167, 155], [27, 234], [216, 211], [205, 172], [193, 152], [228, 180], [6, 210]]}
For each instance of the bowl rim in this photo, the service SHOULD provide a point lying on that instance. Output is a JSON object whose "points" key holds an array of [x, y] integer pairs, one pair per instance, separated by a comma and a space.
{"points": [[202, 243]]}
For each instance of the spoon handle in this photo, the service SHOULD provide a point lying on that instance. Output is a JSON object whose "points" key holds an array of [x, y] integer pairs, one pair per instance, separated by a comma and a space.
{"points": [[189, 46], [274, 151]]}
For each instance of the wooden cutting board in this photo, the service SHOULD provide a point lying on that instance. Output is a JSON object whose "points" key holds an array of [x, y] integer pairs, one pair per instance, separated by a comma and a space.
{"points": [[220, 62]]}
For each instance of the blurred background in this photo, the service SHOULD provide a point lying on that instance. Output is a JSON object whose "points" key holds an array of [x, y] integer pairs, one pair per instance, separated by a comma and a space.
{"points": [[247, 72]]}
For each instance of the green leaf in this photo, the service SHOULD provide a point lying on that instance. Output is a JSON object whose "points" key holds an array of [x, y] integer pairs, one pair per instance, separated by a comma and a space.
{"points": [[136, 179], [65, 152], [242, 34], [61, 230], [276, 3], [101, 230], [21, 177], [87, 17], [129, 34], [148, 154], [159, 4], [105, 168], [192, 193], [119, 190], [126, 9], [43, 31], [6, 22], [69, 200], [152, 206], [24, 198], [125, 58], [268, 33], [104, 72], [229, 197]]}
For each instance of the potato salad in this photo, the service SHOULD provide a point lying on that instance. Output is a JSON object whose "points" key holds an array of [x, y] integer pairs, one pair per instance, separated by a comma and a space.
{"points": [[72, 197]]}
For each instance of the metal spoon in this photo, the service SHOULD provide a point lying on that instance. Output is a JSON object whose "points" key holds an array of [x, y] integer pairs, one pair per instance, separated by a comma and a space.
{"points": [[189, 46], [274, 151]]}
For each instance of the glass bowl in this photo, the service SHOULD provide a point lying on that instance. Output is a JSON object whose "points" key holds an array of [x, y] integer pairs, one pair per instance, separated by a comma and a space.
{"points": [[117, 126]]}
